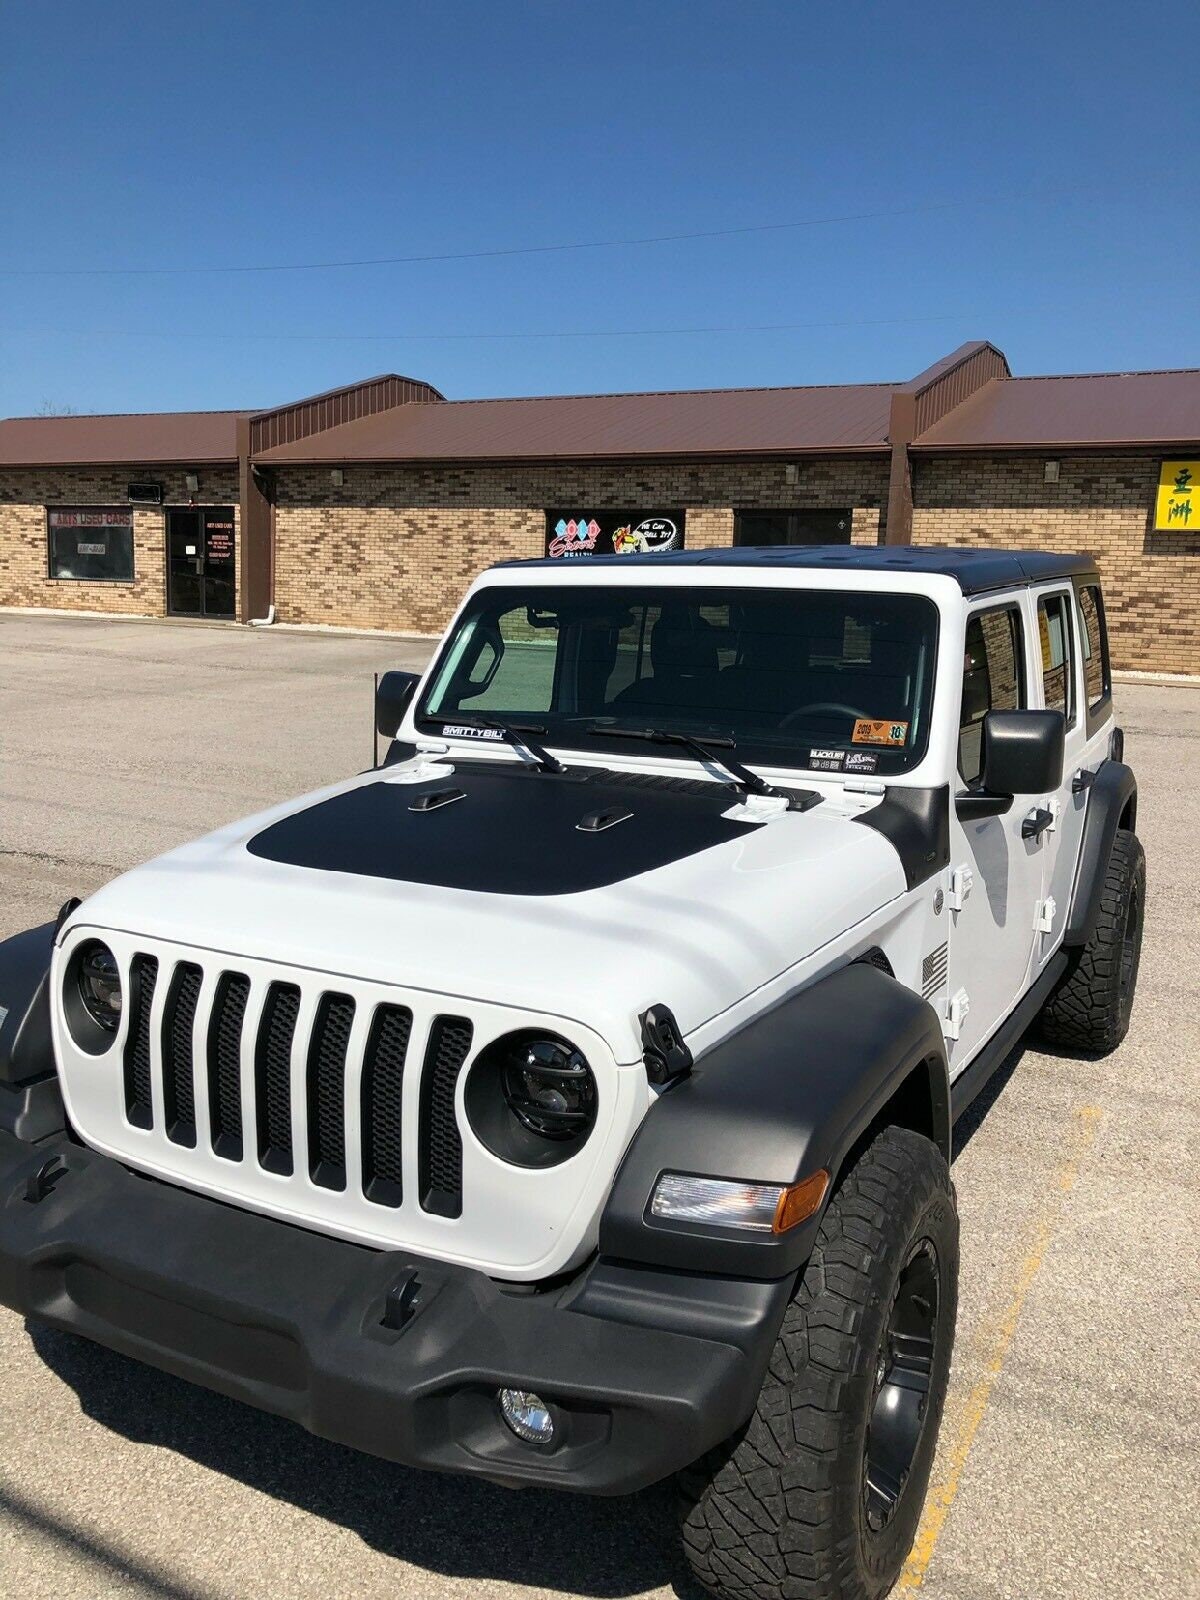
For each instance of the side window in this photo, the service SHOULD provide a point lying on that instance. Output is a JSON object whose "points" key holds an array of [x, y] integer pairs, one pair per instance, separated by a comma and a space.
{"points": [[1054, 632], [993, 680], [508, 666], [1097, 676]]}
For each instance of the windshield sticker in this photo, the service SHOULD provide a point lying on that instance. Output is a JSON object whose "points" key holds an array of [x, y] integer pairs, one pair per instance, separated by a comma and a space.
{"points": [[455, 730], [826, 760], [861, 761], [879, 731]]}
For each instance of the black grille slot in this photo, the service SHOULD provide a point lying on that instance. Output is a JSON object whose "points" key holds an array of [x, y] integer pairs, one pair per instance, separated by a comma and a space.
{"points": [[327, 1090], [139, 1106], [440, 1141], [179, 1014], [225, 1064], [273, 1077], [382, 1084]]}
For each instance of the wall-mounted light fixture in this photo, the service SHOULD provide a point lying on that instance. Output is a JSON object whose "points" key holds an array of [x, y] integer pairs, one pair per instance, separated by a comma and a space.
{"points": [[791, 473], [337, 477], [191, 482], [1050, 471]]}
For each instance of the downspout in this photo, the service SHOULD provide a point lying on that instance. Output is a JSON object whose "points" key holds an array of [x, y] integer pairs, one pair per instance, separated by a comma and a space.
{"points": [[902, 421]]}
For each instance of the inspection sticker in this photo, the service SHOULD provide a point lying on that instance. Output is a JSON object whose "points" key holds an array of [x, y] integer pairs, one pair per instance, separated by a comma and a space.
{"points": [[869, 731]]}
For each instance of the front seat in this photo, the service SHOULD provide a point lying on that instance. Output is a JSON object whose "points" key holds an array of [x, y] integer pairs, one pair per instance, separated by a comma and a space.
{"points": [[683, 658]]}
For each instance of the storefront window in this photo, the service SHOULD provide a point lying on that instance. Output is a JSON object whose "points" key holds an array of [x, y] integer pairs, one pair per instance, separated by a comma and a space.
{"points": [[92, 544], [812, 526]]}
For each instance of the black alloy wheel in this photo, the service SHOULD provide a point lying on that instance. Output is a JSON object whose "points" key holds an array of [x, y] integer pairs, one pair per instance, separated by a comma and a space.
{"points": [[903, 1370]]}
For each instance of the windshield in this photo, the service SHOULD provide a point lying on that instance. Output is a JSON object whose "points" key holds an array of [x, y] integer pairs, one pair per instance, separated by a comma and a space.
{"points": [[831, 681]]}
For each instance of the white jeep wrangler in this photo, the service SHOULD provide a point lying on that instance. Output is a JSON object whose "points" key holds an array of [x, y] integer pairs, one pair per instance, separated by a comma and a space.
{"points": [[569, 1100]]}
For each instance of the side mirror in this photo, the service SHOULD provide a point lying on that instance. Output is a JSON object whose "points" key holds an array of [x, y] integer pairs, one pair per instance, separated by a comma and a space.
{"points": [[1023, 752], [391, 701]]}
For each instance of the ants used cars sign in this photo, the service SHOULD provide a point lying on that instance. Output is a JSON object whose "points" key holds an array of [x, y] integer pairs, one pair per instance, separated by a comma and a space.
{"points": [[612, 533], [92, 543]]}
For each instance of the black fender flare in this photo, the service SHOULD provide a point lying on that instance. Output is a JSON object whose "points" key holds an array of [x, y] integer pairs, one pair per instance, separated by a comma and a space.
{"points": [[787, 1095], [1113, 791], [30, 1103]]}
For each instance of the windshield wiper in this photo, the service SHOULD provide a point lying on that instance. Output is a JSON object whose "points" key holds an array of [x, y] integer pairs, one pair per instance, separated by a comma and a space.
{"points": [[517, 734], [703, 747]]}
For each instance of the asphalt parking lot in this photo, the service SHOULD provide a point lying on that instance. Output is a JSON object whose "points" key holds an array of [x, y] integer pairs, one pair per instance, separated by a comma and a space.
{"points": [[1067, 1461]]}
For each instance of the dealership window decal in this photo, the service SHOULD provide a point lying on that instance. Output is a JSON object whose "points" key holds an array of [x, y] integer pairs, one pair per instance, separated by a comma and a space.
{"points": [[90, 544], [580, 532]]}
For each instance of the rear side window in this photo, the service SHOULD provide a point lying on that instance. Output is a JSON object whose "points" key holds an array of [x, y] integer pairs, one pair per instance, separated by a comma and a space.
{"points": [[1054, 631], [1097, 676], [993, 680]]}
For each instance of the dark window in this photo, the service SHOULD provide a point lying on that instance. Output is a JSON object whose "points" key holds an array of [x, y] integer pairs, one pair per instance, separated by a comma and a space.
{"points": [[839, 681], [1058, 675], [791, 527], [1097, 675], [92, 544], [992, 681]]}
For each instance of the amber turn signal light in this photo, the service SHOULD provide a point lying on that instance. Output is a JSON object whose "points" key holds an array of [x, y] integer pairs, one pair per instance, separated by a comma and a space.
{"points": [[799, 1201]]}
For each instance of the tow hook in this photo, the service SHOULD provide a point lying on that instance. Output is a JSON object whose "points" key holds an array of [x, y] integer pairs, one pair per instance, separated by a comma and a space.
{"points": [[400, 1306], [44, 1179]]}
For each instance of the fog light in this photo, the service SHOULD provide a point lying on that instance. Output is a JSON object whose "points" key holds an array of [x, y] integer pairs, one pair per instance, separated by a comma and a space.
{"points": [[527, 1415]]}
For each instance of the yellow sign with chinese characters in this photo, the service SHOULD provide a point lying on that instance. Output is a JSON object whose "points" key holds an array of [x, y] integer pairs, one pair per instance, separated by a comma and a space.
{"points": [[1177, 505]]}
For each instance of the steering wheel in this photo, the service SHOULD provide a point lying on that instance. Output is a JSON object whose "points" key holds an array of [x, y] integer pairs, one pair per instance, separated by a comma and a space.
{"points": [[834, 706]]}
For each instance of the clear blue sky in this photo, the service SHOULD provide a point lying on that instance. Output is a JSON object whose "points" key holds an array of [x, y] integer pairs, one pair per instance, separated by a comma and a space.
{"points": [[1029, 171]]}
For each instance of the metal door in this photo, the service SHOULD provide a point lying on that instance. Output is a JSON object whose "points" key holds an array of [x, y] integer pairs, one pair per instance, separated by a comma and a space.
{"points": [[997, 875]]}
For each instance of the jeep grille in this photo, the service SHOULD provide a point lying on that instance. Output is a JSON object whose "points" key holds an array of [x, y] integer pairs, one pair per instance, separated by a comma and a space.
{"points": [[380, 1073]]}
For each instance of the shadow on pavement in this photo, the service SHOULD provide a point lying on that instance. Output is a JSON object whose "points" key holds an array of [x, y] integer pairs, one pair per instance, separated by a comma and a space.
{"points": [[973, 1118], [456, 1527]]}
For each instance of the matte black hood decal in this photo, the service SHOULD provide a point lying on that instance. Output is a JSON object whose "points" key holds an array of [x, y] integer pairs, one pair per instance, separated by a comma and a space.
{"points": [[513, 831]]}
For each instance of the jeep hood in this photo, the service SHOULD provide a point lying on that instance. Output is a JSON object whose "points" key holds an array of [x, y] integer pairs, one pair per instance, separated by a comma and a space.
{"points": [[593, 894]]}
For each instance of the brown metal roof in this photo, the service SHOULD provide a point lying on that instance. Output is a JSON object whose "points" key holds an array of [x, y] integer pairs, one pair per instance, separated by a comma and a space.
{"points": [[1090, 411], [137, 439], [711, 422], [145, 438], [286, 424]]}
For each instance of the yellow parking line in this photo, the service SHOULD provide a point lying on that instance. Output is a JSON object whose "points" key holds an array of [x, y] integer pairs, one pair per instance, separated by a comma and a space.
{"points": [[966, 1425]]}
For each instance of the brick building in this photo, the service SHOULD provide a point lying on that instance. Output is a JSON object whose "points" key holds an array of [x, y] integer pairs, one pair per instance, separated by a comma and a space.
{"points": [[373, 506]]}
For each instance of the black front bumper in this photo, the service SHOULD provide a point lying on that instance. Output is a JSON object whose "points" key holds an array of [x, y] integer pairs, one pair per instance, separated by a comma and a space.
{"points": [[644, 1369]]}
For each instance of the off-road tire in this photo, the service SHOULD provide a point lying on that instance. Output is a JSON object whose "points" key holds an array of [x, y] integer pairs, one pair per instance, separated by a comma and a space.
{"points": [[1089, 1009], [780, 1512]]}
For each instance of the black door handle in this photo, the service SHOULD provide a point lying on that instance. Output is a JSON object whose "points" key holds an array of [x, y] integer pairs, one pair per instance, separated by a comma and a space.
{"points": [[1036, 823]]}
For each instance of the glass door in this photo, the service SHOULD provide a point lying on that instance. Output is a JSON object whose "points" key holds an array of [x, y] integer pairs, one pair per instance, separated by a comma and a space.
{"points": [[200, 562], [185, 564], [218, 564]]}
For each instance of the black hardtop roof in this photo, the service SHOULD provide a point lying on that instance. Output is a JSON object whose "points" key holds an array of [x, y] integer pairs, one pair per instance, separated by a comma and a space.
{"points": [[974, 570]]}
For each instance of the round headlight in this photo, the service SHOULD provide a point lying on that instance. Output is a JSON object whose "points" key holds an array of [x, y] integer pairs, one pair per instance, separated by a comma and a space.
{"points": [[531, 1099], [550, 1089], [100, 985]]}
